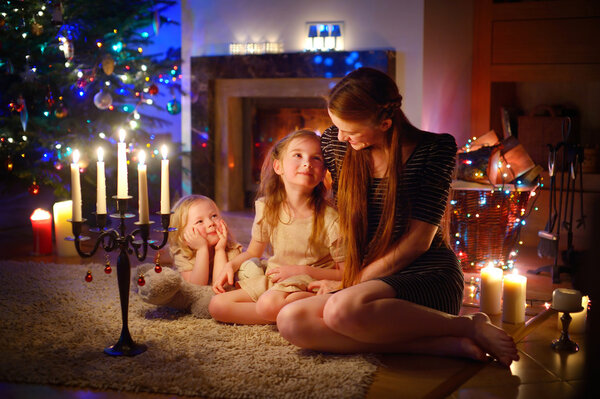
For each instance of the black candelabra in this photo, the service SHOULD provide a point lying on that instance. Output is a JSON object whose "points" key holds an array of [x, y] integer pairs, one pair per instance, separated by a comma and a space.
{"points": [[112, 239]]}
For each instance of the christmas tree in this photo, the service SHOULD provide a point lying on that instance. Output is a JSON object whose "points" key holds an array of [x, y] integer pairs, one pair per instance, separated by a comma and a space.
{"points": [[72, 73]]}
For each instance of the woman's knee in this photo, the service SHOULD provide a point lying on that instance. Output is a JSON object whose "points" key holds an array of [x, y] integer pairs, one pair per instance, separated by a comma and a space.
{"points": [[340, 313], [292, 323]]}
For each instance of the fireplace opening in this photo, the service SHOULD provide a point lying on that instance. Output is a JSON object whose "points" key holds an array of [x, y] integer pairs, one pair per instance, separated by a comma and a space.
{"points": [[268, 119]]}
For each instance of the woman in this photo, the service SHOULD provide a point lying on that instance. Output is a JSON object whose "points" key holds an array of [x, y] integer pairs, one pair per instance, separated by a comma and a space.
{"points": [[402, 285]]}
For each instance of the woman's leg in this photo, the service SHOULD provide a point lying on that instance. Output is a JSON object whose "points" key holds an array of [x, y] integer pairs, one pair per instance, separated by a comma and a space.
{"points": [[270, 303], [367, 317], [235, 307]]}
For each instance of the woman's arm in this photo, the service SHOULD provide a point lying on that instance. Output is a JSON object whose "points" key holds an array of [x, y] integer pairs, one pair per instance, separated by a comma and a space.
{"points": [[412, 244]]}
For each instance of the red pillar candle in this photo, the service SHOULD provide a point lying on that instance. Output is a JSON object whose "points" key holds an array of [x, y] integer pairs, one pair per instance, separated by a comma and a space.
{"points": [[41, 222]]}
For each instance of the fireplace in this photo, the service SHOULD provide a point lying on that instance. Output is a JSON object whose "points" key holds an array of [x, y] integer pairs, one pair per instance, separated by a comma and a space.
{"points": [[241, 104]]}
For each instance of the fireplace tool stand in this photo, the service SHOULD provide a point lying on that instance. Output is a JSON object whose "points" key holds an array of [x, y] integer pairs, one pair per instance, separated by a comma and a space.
{"points": [[112, 239]]}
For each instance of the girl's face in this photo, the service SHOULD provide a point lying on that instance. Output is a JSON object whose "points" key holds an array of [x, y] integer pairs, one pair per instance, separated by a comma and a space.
{"points": [[361, 135], [205, 217], [302, 164]]}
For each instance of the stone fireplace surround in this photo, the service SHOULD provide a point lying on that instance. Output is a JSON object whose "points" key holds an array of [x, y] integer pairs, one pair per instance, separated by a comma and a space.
{"points": [[220, 84]]}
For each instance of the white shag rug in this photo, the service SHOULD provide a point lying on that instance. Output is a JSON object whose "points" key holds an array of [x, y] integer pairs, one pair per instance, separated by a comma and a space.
{"points": [[54, 327]]}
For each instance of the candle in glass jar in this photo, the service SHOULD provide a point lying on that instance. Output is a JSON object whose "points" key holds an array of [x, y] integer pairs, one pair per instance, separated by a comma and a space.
{"points": [[491, 290], [513, 298], [76, 187], [100, 184], [121, 166], [142, 188], [165, 205]]}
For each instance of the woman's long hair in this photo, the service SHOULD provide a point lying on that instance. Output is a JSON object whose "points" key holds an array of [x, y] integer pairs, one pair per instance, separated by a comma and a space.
{"points": [[179, 219], [368, 96], [272, 189]]}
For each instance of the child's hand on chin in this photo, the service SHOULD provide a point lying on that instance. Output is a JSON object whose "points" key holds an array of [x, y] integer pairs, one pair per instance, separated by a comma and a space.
{"points": [[194, 239], [222, 234]]}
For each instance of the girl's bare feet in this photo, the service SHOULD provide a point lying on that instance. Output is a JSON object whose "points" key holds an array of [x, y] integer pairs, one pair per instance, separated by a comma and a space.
{"points": [[493, 340]]}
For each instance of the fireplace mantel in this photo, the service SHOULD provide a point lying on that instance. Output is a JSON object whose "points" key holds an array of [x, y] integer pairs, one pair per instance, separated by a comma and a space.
{"points": [[219, 85]]}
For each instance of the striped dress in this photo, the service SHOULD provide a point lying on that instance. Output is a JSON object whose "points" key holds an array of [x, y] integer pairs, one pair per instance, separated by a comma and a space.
{"points": [[435, 279]]}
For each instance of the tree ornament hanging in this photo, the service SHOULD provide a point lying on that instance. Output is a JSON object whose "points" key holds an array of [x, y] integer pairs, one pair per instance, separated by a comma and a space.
{"points": [[141, 281], [49, 98], [34, 189], [153, 89], [174, 107], [22, 108], [67, 48], [156, 23], [108, 64], [88, 276], [103, 100], [61, 111], [57, 13], [37, 29]]}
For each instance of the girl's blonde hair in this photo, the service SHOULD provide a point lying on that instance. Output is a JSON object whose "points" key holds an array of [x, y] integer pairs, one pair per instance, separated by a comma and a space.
{"points": [[369, 96], [272, 188], [179, 220]]}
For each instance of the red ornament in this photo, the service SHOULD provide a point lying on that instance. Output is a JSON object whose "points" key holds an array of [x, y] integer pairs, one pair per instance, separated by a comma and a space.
{"points": [[157, 268], [141, 281], [34, 189], [107, 269], [153, 89], [88, 276]]}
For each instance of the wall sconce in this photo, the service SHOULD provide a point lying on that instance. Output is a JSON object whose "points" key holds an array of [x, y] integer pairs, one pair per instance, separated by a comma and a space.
{"points": [[324, 36]]}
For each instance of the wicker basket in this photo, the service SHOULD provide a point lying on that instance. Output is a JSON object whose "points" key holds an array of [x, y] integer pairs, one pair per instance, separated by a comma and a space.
{"points": [[485, 222]]}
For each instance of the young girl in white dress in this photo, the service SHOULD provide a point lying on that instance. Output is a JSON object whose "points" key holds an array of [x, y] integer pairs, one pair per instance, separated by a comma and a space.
{"points": [[292, 214]]}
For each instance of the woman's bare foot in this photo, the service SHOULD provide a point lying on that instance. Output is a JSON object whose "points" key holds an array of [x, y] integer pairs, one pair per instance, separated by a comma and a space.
{"points": [[493, 340]]}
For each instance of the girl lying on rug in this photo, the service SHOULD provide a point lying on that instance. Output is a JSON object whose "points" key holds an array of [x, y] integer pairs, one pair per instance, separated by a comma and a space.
{"points": [[402, 284], [292, 215], [200, 247]]}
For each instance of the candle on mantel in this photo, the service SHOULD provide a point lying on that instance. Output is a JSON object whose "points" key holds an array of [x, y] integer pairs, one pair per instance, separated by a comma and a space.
{"points": [[513, 298], [121, 166], [490, 295], [41, 222], [142, 188], [76, 187], [63, 211], [165, 205], [100, 184]]}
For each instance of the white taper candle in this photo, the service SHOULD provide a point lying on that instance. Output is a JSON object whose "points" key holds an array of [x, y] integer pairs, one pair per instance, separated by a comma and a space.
{"points": [[76, 188], [165, 205], [121, 166], [142, 188], [100, 184]]}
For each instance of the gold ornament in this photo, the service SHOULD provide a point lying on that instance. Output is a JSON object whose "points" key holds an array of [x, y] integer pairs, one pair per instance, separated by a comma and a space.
{"points": [[108, 64], [37, 29]]}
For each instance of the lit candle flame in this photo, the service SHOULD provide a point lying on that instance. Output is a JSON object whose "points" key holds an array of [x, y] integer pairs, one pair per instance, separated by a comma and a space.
{"points": [[100, 154], [122, 135], [141, 157], [164, 151], [76, 156]]}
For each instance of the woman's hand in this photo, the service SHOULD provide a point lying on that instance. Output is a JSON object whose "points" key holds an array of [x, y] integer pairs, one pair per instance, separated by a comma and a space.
{"points": [[222, 234], [194, 239], [324, 286], [224, 277], [280, 273]]}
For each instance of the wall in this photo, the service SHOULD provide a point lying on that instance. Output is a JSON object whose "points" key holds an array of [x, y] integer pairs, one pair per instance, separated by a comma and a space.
{"points": [[447, 59]]}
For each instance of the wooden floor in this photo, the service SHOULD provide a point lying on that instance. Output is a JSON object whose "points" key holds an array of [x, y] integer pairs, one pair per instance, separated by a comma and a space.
{"points": [[541, 372]]}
